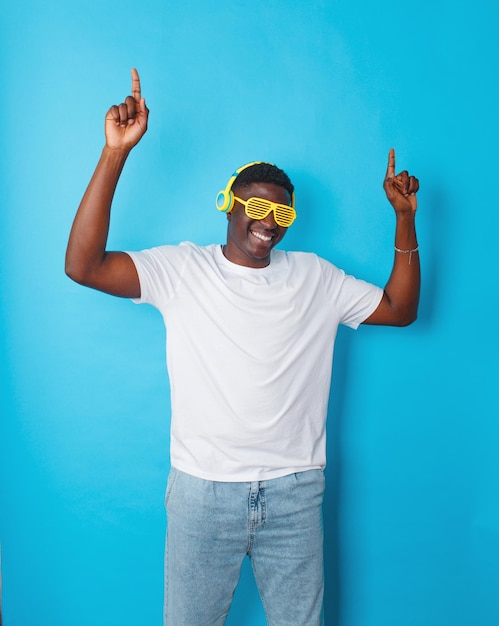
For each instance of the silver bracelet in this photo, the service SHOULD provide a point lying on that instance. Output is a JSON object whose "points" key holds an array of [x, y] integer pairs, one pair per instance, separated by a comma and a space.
{"points": [[409, 252]]}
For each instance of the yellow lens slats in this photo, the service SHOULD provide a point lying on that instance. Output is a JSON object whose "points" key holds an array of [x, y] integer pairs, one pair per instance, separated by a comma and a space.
{"points": [[284, 215], [259, 208]]}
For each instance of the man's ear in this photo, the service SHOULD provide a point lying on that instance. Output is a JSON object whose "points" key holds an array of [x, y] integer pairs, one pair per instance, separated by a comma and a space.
{"points": [[229, 216]]}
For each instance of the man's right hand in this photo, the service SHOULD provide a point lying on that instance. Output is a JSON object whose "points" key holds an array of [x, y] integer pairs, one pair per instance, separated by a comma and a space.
{"points": [[126, 123]]}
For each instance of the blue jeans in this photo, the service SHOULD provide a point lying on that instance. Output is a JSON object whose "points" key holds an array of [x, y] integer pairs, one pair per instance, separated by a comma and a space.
{"points": [[213, 526]]}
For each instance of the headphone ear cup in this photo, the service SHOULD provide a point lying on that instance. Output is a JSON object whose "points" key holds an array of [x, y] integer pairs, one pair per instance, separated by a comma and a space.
{"points": [[225, 201]]}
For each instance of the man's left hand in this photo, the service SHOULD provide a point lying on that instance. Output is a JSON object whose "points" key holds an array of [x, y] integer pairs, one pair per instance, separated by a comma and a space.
{"points": [[400, 189]]}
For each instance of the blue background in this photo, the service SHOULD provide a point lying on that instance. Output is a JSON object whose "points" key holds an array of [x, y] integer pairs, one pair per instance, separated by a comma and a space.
{"points": [[323, 89]]}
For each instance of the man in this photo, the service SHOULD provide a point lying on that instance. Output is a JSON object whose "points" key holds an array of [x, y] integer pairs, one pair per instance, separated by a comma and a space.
{"points": [[251, 333]]}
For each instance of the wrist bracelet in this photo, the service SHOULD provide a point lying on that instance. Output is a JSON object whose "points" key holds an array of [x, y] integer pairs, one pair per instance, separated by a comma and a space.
{"points": [[409, 252]]}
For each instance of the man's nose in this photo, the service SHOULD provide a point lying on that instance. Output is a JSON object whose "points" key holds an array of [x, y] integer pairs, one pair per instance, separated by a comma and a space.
{"points": [[269, 221]]}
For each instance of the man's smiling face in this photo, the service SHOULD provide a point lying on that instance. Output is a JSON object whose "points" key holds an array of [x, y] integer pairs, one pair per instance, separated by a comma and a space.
{"points": [[249, 241]]}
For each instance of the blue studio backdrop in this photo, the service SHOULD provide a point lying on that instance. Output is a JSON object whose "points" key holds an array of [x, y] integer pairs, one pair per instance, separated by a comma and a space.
{"points": [[323, 88]]}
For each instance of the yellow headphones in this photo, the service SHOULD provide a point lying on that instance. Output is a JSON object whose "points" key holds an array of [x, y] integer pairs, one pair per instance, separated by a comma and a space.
{"points": [[225, 198]]}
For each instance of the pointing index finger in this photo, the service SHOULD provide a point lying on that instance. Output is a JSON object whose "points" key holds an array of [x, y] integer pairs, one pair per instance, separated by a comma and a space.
{"points": [[390, 170], [135, 85]]}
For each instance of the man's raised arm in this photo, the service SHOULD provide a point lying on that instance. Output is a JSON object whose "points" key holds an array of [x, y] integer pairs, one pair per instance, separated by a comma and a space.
{"points": [[87, 261], [399, 305]]}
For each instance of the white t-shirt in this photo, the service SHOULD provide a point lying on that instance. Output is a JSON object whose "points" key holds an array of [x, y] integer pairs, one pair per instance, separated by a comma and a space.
{"points": [[249, 354]]}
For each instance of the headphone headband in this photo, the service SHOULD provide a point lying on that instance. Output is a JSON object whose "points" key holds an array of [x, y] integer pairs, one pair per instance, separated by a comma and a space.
{"points": [[225, 197]]}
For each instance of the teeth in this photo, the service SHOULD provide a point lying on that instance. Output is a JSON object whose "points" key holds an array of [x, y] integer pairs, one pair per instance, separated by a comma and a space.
{"points": [[261, 236]]}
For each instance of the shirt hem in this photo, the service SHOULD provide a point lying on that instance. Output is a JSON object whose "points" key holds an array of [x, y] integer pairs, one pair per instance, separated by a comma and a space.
{"points": [[247, 476]]}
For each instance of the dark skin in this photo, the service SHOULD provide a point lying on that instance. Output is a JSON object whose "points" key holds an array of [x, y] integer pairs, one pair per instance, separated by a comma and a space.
{"points": [[249, 242], [399, 305]]}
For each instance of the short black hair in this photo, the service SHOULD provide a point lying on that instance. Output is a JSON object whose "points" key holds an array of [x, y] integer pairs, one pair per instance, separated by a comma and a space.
{"points": [[263, 173]]}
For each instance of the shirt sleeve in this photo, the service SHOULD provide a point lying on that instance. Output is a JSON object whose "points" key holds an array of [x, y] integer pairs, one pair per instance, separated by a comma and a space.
{"points": [[354, 299], [160, 272]]}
